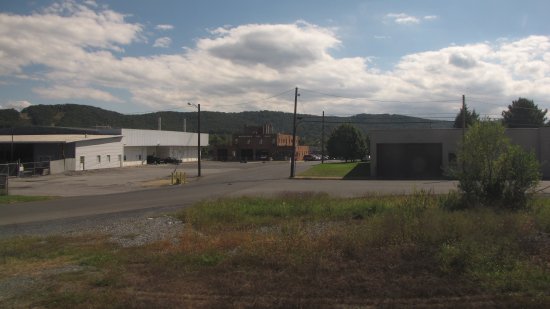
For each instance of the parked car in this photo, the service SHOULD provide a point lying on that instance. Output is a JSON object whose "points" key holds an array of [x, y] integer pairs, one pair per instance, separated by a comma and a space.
{"points": [[172, 160], [154, 160], [310, 157]]}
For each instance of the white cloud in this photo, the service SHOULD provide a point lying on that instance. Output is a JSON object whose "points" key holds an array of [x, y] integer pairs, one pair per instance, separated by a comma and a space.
{"points": [[274, 46], [163, 42], [235, 68], [164, 27], [18, 105], [403, 19], [56, 40], [68, 93]]}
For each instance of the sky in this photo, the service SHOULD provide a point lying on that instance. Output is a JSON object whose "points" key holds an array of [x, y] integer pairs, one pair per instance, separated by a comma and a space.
{"points": [[345, 57]]}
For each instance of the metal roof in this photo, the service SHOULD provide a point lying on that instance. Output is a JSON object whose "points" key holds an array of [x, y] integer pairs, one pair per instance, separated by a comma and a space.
{"points": [[60, 138]]}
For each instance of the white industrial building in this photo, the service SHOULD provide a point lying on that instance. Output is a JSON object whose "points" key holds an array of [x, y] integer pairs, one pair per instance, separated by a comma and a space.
{"points": [[73, 149]]}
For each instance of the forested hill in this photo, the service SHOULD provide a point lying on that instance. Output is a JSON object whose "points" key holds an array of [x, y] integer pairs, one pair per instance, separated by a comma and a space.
{"points": [[309, 126]]}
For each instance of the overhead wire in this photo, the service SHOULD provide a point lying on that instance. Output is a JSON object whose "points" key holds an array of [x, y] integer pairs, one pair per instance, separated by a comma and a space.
{"points": [[380, 101]]}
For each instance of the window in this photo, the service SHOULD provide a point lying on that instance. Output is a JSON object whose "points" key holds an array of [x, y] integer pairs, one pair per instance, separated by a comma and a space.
{"points": [[108, 158], [124, 157], [98, 159]]}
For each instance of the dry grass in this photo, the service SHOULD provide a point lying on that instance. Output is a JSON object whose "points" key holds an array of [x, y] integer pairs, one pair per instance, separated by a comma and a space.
{"points": [[157, 183], [304, 251]]}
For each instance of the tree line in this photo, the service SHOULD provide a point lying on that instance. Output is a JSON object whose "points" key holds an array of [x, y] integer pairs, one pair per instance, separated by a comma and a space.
{"points": [[522, 113]]}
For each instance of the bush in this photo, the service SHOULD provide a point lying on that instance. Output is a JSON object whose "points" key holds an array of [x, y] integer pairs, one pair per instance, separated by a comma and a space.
{"points": [[493, 172]]}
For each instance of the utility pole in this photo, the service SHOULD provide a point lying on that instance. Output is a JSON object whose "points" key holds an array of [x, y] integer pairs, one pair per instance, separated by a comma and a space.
{"points": [[463, 126], [463, 117], [198, 106], [293, 158], [199, 142], [11, 156], [323, 139], [463, 113]]}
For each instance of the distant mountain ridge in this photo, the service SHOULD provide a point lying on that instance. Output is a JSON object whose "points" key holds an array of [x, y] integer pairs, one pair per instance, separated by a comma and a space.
{"points": [[219, 123]]}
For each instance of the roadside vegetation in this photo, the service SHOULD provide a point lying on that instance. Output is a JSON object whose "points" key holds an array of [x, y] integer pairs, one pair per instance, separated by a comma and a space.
{"points": [[10, 199], [493, 172], [298, 251]]}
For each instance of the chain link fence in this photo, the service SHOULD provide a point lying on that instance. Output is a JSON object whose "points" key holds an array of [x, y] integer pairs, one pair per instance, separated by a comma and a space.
{"points": [[25, 169]]}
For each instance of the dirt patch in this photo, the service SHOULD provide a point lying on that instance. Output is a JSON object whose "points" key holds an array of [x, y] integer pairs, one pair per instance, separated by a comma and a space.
{"points": [[156, 183]]}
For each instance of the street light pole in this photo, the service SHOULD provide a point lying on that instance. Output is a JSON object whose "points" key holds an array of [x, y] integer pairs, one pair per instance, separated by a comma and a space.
{"points": [[323, 139], [198, 106]]}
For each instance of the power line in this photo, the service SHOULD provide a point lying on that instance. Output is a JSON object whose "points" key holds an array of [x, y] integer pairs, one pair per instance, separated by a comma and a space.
{"points": [[260, 100], [380, 101]]}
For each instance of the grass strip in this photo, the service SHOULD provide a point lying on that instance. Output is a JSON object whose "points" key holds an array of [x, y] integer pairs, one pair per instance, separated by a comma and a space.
{"points": [[11, 199], [330, 170]]}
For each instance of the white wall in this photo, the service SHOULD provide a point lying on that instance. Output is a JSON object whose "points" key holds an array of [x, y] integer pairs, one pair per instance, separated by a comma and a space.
{"points": [[102, 148], [135, 156], [133, 137], [162, 144]]}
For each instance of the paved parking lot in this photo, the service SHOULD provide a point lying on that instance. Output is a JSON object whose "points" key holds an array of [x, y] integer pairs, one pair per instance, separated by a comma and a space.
{"points": [[115, 180]]}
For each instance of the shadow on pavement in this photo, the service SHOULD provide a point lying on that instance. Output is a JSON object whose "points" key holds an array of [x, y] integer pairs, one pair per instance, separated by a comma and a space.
{"points": [[361, 171]]}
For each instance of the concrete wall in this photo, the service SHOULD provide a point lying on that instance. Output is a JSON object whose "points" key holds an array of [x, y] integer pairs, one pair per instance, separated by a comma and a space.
{"points": [[61, 166], [98, 154], [536, 140]]}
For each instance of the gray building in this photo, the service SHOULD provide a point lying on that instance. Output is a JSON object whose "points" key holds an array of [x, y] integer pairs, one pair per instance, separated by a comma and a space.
{"points": [[426, 153]]}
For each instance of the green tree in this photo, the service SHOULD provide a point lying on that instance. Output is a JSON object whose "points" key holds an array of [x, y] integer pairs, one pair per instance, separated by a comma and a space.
{"points": [[347, 142], [524, 113], [493, 172], [471, 117]]}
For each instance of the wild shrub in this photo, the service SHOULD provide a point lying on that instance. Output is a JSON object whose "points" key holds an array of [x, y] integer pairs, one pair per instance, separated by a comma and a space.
{"points": [[493, 172]]}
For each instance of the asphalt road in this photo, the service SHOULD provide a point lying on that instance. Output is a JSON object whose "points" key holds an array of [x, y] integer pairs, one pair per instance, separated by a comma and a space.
{"points": [[224, 179]]}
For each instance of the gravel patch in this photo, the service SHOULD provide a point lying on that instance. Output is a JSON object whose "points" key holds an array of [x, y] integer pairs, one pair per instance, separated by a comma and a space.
{"points": [[139, 231], [124, 229], [13, 286]]}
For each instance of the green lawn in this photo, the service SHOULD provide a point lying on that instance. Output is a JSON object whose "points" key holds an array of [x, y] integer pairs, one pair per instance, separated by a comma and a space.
{"points": [[344, 170]]}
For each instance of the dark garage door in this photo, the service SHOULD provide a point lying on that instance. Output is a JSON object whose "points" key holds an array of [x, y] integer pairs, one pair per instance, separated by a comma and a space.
{"points": [[409, 161]]}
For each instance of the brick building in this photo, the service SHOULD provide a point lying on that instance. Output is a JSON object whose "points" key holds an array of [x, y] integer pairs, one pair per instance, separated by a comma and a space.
{"points": [[260, 143]]}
